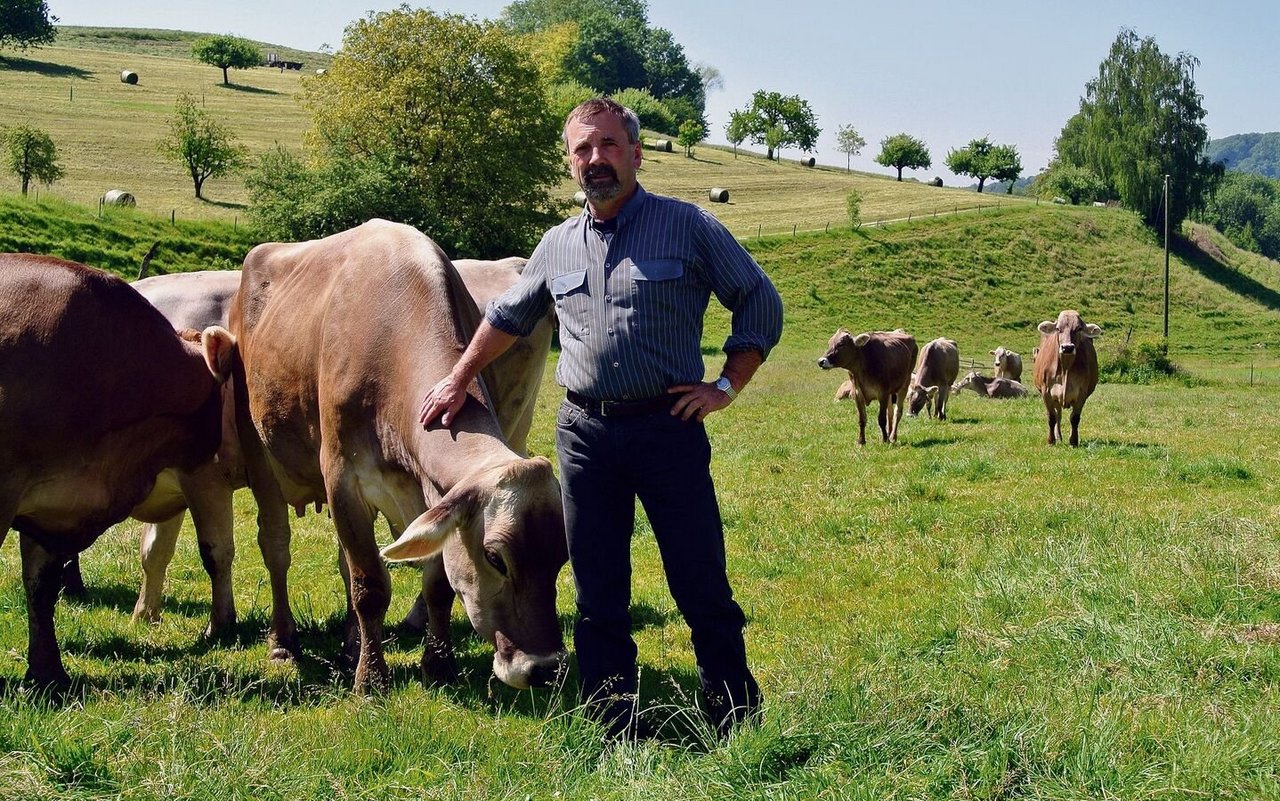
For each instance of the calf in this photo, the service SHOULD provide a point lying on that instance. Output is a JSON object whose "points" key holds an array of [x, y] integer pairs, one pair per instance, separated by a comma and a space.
{"points": [[990, 387], [1066, 370], [936, 370], [98, 394], [879, 365], [1007, 364]]}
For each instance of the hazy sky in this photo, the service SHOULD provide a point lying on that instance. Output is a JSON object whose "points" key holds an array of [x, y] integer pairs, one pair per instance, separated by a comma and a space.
{"points": [[945, 71]]}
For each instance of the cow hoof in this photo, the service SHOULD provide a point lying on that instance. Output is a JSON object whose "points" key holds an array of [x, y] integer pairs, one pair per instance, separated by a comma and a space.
{"points": [[53, 681], [437, 669], [222, 632], [279, 654]]}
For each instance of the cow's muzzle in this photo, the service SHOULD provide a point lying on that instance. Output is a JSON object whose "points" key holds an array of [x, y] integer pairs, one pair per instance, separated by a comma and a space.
{"points": [[825, 363], [1067, 348]]}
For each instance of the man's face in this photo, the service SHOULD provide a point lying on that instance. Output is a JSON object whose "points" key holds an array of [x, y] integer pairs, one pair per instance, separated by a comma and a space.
{"points": [[601, 159]]}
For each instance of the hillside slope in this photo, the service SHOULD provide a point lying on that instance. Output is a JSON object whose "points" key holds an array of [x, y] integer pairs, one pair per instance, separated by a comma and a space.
{"points": [[1255, 153]]}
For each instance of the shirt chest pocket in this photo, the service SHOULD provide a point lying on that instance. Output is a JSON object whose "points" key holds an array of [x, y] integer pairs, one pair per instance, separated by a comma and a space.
{"points": [[572, 302], [660, 287], [657, 270]]}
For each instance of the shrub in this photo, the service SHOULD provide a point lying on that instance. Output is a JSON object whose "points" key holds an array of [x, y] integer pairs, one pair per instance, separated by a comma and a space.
{"points": [[1141, 363], [653, 113], [854, 204]]}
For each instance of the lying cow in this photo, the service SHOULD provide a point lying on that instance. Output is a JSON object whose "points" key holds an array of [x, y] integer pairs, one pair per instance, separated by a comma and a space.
{"points": [[845, 390], [1007, 364], [1066, 370], [336, 336], [990, 387], [936, 370], [879, 365], [98, 394]]}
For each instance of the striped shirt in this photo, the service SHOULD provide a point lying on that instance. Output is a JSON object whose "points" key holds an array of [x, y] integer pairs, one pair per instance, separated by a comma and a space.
{"points": [[631, 302]]}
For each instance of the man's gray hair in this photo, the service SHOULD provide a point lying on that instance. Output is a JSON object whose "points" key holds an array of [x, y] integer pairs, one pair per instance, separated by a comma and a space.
{"points": [[603, 105]]}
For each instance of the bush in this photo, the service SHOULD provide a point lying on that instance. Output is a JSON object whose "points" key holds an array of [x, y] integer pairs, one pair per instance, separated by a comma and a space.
{"points": [[854, 204], [1141, 363], [565, 96], [653, 113]]}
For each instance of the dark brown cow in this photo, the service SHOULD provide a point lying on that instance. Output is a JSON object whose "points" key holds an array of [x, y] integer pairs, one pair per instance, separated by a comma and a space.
{"points": [[97, 396], [936, 370], [879, 365], [337, 338], [1066, 370], [990, 387]]}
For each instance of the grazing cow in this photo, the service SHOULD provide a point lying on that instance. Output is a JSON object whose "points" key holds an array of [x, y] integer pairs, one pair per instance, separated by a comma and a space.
{"points": [[1066, 370], [936, 370], [98, 394], [879, 365], [1008, 364], [337, 338], [990, 387]]}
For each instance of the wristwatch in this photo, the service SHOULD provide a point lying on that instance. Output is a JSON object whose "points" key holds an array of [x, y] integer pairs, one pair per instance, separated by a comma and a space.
{"points": [[724, 385]]}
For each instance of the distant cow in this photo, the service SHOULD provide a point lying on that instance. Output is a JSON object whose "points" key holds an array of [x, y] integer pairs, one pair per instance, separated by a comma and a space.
{"points": [[337, 339], [98, 394], [845, 390], [1008, 364], [936, 370], [879, 365], [1066, 370], [990, 387]]}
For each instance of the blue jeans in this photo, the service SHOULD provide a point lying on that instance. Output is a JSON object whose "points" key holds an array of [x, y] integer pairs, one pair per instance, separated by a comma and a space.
{"points": [[605, 464]]}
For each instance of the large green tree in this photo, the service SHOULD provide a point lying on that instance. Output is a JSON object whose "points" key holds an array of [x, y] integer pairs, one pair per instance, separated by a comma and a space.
{"points": [[1141, 120], [226, 52], [903, 151], [440, 122], [982, 160], [1247, 209], [200, 144], [26, 23], [30, 153], [776, 121]]}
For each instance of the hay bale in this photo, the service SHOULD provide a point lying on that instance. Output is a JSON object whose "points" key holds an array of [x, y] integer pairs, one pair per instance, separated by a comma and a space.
{"points": [[321, 71], [718, 195], [129, 76], [663, 145], [580, 198], [936, 181], [808, 162], [118, 197]]}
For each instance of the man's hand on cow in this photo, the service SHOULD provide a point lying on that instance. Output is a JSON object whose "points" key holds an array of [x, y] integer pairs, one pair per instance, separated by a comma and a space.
{"points": [[443, 402], [698, 400]]}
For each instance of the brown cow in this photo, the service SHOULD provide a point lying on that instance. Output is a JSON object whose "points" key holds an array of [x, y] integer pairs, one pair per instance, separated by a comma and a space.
{"points": [[845, 390], [97, 396], [1066, 370], [990, 387], [879, 365], [1007, 364], [936, 370], [337, 336]]}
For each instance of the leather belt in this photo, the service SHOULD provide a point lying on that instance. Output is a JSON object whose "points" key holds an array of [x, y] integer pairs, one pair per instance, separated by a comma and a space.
{"points": [[624, 408]]}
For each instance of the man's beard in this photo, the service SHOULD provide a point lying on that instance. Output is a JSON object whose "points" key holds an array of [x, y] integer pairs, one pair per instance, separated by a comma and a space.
{"points": [[598, 191]]}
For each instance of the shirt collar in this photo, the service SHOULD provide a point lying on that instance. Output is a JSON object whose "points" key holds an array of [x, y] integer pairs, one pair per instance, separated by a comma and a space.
{"points": [[629, 209]]}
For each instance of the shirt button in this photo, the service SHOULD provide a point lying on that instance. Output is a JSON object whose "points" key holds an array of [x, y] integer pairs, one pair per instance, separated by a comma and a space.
{"points": [[610, 332], [615, 364], [608, 298], [607, 265]]}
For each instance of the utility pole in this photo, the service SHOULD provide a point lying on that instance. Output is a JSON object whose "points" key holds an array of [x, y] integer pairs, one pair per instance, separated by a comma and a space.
{"points": [[1166, 260]]}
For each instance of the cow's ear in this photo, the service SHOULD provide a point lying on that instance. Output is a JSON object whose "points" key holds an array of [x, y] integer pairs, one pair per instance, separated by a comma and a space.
{"points": [[427, 533], [992, 352], [1047, 327], [218, 346], [861, 339], [1092, 331]]}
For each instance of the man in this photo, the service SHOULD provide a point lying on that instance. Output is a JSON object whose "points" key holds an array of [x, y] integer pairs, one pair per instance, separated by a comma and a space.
{"points": [[631, 278]]}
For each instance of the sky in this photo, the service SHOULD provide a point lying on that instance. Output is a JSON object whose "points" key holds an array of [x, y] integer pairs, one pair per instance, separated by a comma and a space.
{"points": [[943, 71]]}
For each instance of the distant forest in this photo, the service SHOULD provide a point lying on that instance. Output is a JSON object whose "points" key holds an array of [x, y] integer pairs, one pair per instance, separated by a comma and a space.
{"points": [[1254, 153]]}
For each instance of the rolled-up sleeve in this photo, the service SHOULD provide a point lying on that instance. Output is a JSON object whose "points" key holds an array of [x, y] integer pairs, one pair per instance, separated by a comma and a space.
{"points": [[519, 309], [742, 287]]}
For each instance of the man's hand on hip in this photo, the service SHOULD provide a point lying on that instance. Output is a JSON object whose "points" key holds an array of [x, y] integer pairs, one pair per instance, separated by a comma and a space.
{"points": [[698, 400]]}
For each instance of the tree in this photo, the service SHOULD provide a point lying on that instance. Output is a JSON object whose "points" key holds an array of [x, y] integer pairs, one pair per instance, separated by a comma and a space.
{"points": [[982, 160], [200, 143], [737, 129], [1141, 120], [30, 153], [691, 133], [653, 113], [777, 121], [850, 143], [26, 23], [1075, 184], [226, 52], [853, 204], [439, 122], [904, 151]]}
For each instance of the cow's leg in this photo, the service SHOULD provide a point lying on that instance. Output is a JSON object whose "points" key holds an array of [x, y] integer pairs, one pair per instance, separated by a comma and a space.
{"points": [[156, 552], [1052, 415], [899, 406], [944, 392], [1076, 411], [370, 584], [883, 419], [42, 580], [73, 579], [438, 663], [213, 516], [862, 420]]}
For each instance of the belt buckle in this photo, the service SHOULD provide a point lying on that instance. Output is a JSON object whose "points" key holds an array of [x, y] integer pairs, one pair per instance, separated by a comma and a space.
{"points": [[604, 407]]}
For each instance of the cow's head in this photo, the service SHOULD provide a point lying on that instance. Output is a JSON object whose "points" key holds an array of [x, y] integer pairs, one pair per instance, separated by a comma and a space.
{"points": [[970, 381], [1067, 335], [999, 354], [503, 563], [843, 349], [918, 398]]}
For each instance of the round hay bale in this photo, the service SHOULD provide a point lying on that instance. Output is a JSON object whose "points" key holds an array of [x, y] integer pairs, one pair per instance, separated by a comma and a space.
{"points": [[580, 197], [936, 181], [663, 145], [718, 195], [118, 197], [129, 76], [321, 71], [808, 162]]}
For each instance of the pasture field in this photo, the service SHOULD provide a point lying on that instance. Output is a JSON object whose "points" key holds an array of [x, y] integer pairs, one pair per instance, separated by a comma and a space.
{"points": [[106, 133], [970, 613]]}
